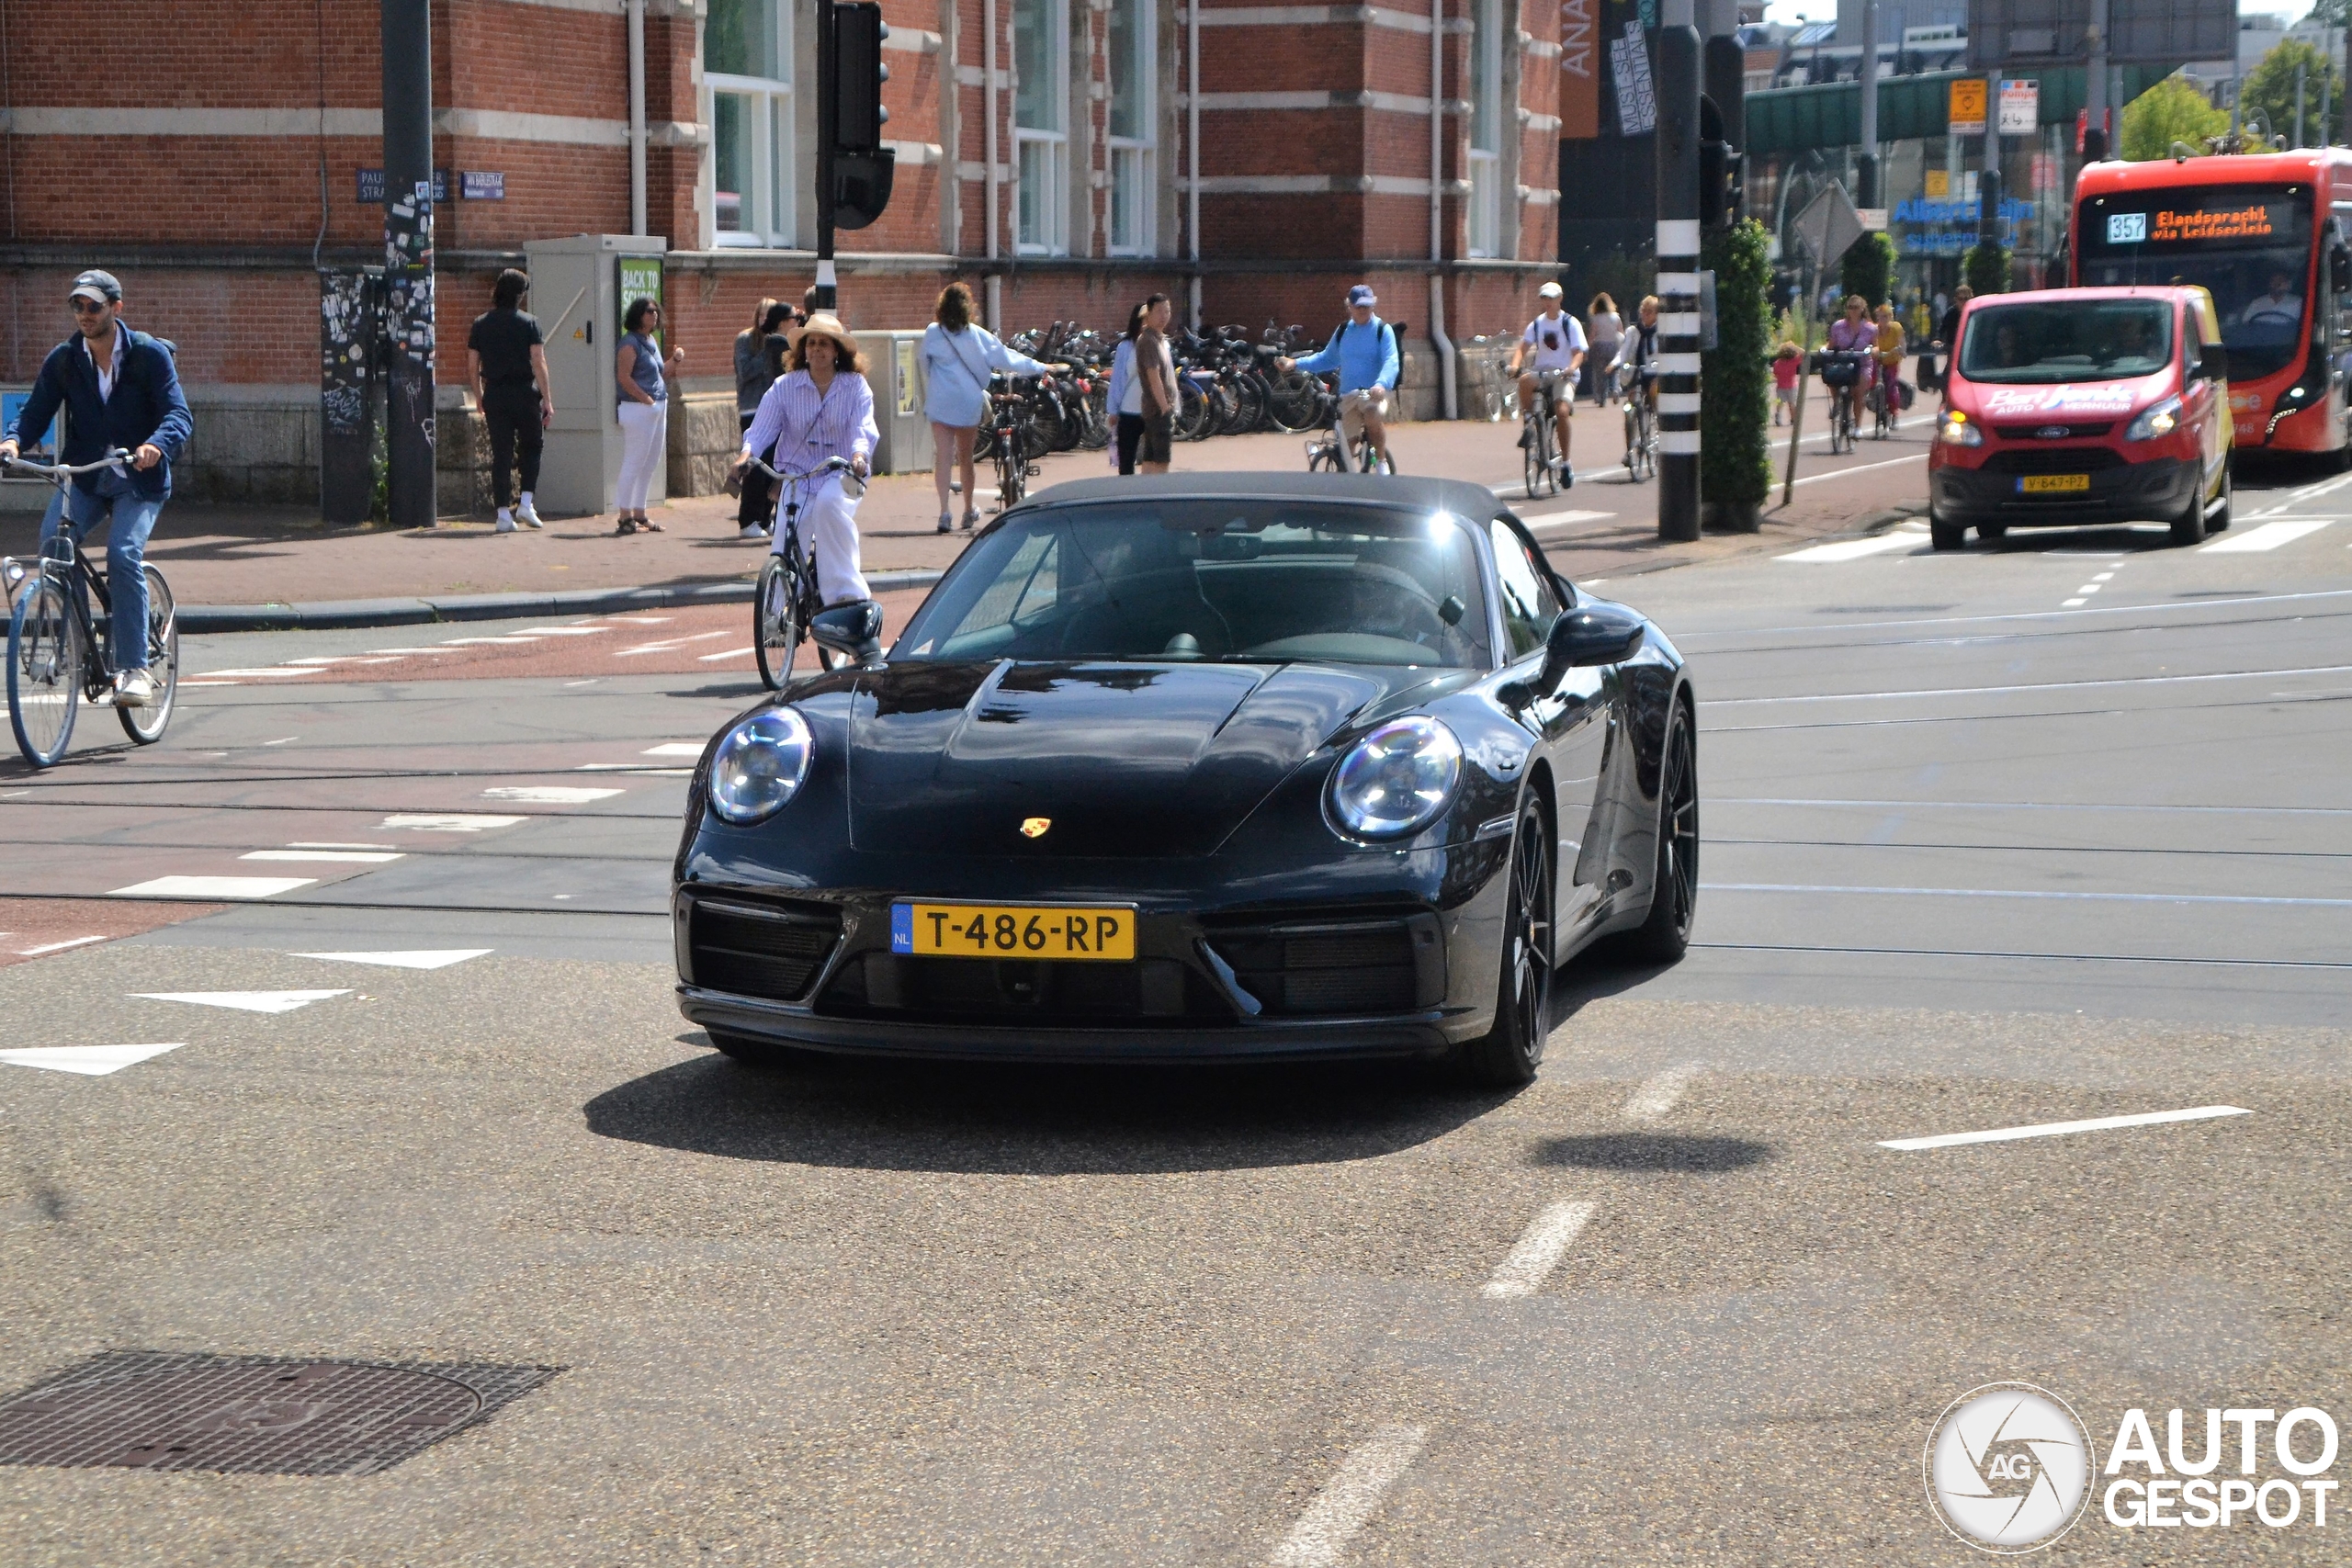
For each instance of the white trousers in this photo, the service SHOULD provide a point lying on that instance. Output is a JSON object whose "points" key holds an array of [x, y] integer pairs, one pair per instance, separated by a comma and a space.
{"points": [[644, 426], [828, 530]]}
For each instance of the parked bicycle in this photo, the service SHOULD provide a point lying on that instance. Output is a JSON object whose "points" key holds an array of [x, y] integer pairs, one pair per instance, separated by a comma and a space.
{"points": [[1637, 387], [58, 651], [787, 596]]}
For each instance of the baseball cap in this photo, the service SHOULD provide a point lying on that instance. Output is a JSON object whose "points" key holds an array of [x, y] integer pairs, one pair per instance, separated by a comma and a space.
{"points": [[1549, 291], [1362, 294], [98, 286]]}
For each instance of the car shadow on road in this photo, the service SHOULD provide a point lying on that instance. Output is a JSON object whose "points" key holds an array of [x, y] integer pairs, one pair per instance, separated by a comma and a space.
{"points": [[1035, 1119]]}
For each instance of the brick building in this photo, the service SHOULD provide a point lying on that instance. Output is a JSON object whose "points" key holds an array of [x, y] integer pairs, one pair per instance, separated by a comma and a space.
{"points": [[1047, 153]]}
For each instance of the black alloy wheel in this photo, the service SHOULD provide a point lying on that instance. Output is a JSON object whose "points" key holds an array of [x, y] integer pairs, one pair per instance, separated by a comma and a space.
{"points": [[1674, 885], [1507, 1055]]}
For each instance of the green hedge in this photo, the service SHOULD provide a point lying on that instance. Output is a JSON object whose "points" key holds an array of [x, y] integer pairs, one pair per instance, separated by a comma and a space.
{"points": [[1868, 269], [1734, 417], [1985, 268]]}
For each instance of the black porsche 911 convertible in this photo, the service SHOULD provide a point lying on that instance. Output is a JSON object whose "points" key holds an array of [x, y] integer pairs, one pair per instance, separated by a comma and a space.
{"points": [[1225, 765]]}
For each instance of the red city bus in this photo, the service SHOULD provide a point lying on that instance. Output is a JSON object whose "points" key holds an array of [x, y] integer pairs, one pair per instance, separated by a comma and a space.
{"points": [[2267, 233]]}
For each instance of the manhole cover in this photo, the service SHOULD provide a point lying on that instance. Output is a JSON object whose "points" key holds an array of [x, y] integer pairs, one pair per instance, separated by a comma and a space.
{"points": [[269, 1414]]}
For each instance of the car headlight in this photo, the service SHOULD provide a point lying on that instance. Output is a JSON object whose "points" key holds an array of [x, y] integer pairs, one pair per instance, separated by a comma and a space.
{"points": [[758, 766], [1959, 431], [2156, 419], [1395, 780]]}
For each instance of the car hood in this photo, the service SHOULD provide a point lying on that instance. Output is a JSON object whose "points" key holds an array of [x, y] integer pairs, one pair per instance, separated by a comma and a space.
{"points": [[2063, 402], [1123, 760]]}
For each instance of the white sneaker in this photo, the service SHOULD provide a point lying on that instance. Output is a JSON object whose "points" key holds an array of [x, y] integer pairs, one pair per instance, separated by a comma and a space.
{"points": [[133, 688], [528, 514], [753, 531], [505, 521]]}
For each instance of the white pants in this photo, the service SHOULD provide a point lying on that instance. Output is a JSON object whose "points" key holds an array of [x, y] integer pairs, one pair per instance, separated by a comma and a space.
{"points": [[644, 426], [828, 531]]}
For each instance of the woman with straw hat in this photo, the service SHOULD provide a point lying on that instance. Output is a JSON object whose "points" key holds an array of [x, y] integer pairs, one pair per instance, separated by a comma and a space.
{"points": [[821, 407]]}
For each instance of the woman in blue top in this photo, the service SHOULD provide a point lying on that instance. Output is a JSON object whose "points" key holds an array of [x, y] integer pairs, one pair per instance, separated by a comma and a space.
{"points": [[957, 359], [638, 370]]}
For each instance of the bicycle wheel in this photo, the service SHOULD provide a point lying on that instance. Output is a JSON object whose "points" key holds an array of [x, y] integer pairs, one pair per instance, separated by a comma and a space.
{"points": [[1011, 481], [775, 623], [44, 672], [1295, 405], [145, 725], [1536, 460]]}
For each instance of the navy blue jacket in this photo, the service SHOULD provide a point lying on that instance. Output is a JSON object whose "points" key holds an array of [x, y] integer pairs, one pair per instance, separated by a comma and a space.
{"points": [[146, 408]]}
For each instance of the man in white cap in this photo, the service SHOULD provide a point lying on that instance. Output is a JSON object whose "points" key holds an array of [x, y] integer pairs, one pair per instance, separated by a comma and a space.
{"points": [[1547, 359], [1363, 351], [119, 390]]}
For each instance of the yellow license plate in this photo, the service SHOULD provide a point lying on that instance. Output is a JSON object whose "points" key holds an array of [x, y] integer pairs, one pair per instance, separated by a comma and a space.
{"points": [[2052, 484], [1014, 930]]}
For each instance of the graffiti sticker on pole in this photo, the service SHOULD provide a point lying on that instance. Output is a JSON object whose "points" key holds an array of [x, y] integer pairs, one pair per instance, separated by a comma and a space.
{"points": [[1967, 112]]}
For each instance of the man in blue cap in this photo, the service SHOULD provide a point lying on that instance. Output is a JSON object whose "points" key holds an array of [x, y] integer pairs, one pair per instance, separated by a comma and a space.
{"points": [[119, 388], [1363, 351]]}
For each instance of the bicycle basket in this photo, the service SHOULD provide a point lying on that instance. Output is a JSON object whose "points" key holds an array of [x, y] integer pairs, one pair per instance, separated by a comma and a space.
{"points": [[1837, 372]]}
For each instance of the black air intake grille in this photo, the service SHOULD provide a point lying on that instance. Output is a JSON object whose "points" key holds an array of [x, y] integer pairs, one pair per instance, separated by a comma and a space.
{"points": [[2054, 460], [1321, 968], [771, 950]]}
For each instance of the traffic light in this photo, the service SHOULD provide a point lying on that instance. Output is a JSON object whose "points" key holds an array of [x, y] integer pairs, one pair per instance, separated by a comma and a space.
{"points": [[861, 167], [1719, 169]]}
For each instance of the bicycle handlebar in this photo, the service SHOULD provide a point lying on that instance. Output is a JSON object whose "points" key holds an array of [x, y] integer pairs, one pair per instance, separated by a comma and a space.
{"points": [[114, 459], [830, 466]]}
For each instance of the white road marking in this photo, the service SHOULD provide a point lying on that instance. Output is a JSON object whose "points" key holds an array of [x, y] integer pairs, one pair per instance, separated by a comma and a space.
{"points": [[403, 650], [476, 641], [213, 887], [674, 749], [2104, 577], [2070, 604], [283, 740], [2042, 686], [448, 822], [561, 631], [634, 768], [1866, 467], [90, 1061], [730, 653], [590, 682], [413, 958], [57, 946], [242, 1001], [667, 643], [2059, 1128], [322, 659], [1854, 549], [644, 621], [1539, 1251], [1348, 1499], [2270, 536], [2088, 588], [550, 794], [1655, 1099], [323, 844], [191, 685], [279, 670], [2068, 895], [323, 857], [1548, 519]]}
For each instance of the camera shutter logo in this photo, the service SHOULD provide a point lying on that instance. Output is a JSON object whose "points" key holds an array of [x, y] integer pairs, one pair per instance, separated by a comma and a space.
{"points": [[2008, 1467]]}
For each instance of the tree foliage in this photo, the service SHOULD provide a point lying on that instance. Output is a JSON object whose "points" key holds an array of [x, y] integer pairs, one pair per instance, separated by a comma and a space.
{"points": [[2272, 89], [1734, 467], [1985, 269], [2173, 110], [1868, 269]]}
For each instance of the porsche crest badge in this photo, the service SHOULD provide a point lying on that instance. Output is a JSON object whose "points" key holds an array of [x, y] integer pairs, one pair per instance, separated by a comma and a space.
{"points": [[1035, 826]]}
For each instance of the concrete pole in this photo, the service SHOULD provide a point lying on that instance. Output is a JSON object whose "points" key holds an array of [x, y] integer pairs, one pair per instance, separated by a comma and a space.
{"points": [[988, 111], [1677, 273], [637, 117], [2094, 147], [407, 260], [2300, 72], [1438, 344], [1193, 150], [829, 135], [1866, 180], [1988, 182]]}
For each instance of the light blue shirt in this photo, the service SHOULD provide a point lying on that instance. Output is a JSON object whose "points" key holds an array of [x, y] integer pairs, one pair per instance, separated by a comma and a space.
{"points": [[955, 369], [1364, 356]]}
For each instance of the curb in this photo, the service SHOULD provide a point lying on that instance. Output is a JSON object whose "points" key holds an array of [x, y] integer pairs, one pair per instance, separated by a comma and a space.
{"points": [[354, 613]]}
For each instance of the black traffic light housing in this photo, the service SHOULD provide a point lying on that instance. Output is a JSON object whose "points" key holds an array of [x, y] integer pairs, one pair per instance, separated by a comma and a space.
{"points": [[862, 167], [1719, 169]]}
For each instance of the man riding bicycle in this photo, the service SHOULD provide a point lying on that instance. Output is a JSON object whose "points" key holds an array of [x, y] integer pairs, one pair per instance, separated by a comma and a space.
{"points": [[1552, 348], [1637, 351], [1363, 351], [119, 388], [821, 407]]}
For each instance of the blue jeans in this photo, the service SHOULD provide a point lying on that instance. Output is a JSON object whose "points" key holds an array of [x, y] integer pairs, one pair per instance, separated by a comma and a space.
{"points": [[133, 518]]}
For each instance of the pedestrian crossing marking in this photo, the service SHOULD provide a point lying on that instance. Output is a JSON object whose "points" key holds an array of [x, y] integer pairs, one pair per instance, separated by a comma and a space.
{"points": [[2270, 536], [90, 1061], [550, 794], [414, 958], [326, 857], [674, 749], [213, 887], [449, 821], [243, 1001], [1854, 549]]}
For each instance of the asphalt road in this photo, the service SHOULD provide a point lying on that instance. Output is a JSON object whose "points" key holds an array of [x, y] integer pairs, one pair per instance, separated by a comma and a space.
{"points": [[2029, 835]]}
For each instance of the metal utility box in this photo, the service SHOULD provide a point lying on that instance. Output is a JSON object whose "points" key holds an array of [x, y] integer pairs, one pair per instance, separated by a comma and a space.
{"points": [[894, 370], [580, 287]]}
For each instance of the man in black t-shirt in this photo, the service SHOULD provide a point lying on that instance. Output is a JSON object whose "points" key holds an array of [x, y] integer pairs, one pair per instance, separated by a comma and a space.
{"points": [[506, 355]]}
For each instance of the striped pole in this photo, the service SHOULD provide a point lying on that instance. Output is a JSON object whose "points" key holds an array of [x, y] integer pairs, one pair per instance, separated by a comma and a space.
{"points": [[1677, 273]]}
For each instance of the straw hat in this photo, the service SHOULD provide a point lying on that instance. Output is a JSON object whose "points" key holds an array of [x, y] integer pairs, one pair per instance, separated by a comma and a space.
{"points": [[824, 323]]}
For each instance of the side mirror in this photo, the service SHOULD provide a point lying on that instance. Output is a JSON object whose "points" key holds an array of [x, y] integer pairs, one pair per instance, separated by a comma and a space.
{"points": [[2213, 363], [2339, 270], [852, 630], [1580, 638]]}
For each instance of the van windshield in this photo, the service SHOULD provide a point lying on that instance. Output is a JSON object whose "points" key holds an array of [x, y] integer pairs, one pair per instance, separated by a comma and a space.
{"points": [[2094, 340]]}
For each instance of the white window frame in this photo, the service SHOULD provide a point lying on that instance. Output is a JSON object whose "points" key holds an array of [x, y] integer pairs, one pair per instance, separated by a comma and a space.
{"points": [[1137, 158], [771, 209], [1484, 225], [1048, 150]]}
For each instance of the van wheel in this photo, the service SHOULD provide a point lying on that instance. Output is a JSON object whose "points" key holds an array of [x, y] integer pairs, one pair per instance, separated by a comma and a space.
{"points": [[1945, 536], [2188, 528], [2220, 517]]}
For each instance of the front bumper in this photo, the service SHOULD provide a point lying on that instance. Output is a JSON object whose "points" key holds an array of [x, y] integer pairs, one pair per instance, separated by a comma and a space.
{"points": [[2154, 491]]}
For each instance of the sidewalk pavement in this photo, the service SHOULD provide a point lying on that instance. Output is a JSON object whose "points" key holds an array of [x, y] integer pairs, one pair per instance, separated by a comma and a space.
{"points": [[253, 567]]}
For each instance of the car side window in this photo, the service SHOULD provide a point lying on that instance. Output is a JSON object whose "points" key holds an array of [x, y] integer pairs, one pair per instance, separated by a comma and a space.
{"points": [[1528, 603]]}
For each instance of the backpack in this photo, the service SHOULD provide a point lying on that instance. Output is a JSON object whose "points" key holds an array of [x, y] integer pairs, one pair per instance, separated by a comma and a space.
{"points": [[1387, 327]]}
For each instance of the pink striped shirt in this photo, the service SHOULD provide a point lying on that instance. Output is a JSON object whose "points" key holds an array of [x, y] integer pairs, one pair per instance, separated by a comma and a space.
{"points": [[808, 427]]}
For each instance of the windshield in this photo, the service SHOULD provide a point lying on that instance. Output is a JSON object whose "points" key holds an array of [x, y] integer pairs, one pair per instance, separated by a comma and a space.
{"points": [[2095, 340], [1195, 578], [2251, 245]]}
